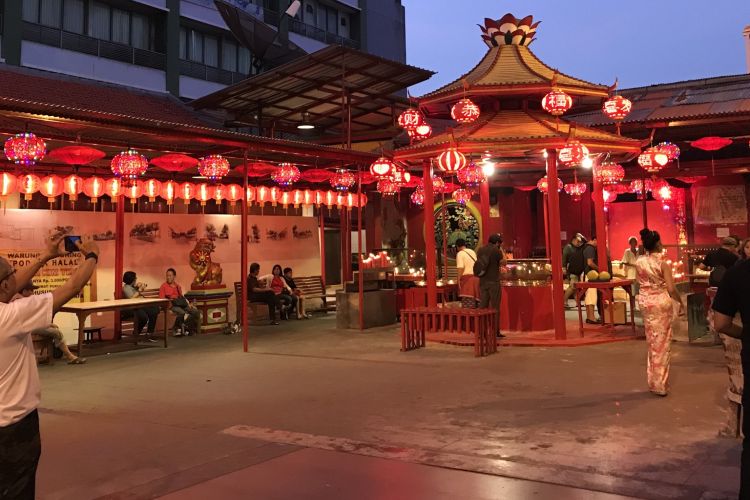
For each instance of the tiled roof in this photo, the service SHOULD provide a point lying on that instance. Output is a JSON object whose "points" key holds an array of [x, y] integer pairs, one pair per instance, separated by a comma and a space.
{"points": [[21, 84]]}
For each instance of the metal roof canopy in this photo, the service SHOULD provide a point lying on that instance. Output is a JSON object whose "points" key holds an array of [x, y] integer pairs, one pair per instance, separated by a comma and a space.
{"points": [[313, 88]]}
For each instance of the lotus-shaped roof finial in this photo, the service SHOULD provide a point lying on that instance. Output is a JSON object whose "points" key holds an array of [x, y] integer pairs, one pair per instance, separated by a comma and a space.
{"points": [[509, 30]]}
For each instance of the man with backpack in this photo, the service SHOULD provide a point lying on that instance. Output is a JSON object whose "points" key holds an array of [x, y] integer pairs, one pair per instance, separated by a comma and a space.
{"points": [[573, 264], [719, 260], [468, 284], [489, 259]]}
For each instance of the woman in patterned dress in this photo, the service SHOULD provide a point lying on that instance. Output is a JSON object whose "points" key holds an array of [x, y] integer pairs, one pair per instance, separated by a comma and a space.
{"points": [[657, 291]]}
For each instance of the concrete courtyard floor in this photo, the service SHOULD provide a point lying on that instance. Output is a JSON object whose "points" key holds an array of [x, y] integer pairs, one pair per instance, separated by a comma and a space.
{"points": [[317, 413]]}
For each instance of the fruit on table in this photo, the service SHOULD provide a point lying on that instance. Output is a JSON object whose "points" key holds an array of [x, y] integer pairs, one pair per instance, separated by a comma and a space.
{"points": [[604, 276], [592, 275]]}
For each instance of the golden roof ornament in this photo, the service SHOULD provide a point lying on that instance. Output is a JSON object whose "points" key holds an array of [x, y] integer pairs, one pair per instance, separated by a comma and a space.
{"points": [[509, 30]]}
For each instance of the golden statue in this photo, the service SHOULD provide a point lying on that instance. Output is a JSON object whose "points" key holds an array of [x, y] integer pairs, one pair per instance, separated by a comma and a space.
{"points": [[207, 273]]}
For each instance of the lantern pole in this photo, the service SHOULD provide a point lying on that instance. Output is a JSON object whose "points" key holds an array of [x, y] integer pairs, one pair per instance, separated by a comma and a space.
{"points": [[555, 250], [484, 208], [119, 255], [361, 284], [244, 259], [429, 226]]}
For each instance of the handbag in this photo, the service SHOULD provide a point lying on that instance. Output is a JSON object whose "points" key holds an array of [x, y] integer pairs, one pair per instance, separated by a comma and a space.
{"points": [[180, 302]]}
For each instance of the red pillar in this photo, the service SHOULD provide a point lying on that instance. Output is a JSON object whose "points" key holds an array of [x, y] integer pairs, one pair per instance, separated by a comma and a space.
{"points": [[361, 283], [600, 223], [484, 210], [443, 218], [119, 254], [644, 205], [429, 244], [322, 236], [343, 228], [243, 262], [555, 248], [545, 208]]}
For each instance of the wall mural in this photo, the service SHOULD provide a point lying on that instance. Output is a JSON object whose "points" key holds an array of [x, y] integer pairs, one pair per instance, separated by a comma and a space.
{"points": [[213, 235], [301, 235], [460, 222], [147, 232], [189, 235]]}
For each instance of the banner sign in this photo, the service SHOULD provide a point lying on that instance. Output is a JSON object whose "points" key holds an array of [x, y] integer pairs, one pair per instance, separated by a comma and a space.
{"points": [[719, 205]]}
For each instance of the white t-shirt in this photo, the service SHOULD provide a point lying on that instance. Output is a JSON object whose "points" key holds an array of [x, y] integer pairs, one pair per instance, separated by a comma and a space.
{"points": [[20, 391], [465, 259], [629, 258]]}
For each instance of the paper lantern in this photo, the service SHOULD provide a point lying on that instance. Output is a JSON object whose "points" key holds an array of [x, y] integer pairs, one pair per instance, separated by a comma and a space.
{"points": [[51, 187], [256, 169], [438, 184], [73, 186], [362, 200], [386, 187], [670, 149], [152, 189], [28, 185], [113, 188], [169, 190], [213, 167], [286, 175], [233, 193], [129, 164], [382, 167], [465, 111], [637, 186], [316, 175], [186, 192], [557, 102], [417, 197], [525, 188], [133, 190], [608, 195], [449, 187], [174, 162], [711, 143], [285, 198], [609, 173], [320, 198], [308, 197], [25, 149], [341, 200], [219, 193], [274, 194], [342, 180], [400, 176], [461, 196], [410, 119], [298, 197], [576, 190], [543, 185], [617, 107], [251, 194], [8, 184], [420, 133], [330, 198], [652, 160], [262, 195], [451, 161], [76, 155], [203, 193], [471, 175], [572, 153]]}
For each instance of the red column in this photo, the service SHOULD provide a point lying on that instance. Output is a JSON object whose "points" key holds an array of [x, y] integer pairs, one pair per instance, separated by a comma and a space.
{"points": [[361, 281], [322, 236], [545, 208], [243, 262], [119, 254], [600, 223], [429, 244], [644, 205], [484, 209], [343, 230], [555, 248], [443, 218]]}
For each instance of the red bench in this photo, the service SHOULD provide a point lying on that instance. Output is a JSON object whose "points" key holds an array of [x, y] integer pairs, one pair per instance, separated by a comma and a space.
{"points": [[480, 323]]}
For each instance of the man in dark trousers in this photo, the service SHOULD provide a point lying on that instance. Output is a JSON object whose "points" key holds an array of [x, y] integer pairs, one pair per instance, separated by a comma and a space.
{"points": [[490, 257], [732, 297]]}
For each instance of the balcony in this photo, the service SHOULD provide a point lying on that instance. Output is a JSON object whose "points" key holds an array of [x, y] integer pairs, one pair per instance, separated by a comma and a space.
{"points": [[209, 73], [321, 35], [87, 45]]}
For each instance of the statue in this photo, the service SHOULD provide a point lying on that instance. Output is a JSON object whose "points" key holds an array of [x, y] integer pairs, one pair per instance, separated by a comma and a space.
{"points": [[207, 273]]}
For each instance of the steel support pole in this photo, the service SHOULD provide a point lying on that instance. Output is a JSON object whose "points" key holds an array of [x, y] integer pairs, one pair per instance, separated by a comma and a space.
{"points": [[119, 255], [243, 261], [429, 235], [484, 209], [361, 278], [343, 228], [322, 236], [443, 217], [555, 250]]}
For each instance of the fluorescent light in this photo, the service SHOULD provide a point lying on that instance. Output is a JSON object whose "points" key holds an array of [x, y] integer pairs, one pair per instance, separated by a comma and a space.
{"points": [[488, 168], [305, 126], [200, 177]]}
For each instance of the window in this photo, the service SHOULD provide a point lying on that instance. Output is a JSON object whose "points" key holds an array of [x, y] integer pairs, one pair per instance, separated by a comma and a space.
{"points": [[183, 43], [243, 61], [195, 46], [73, 16], [228, 55], [120, 26], [343, 21], [210, 51], [332, 24], [31, 11], [99, 20], [50, 12], [140, 31]]}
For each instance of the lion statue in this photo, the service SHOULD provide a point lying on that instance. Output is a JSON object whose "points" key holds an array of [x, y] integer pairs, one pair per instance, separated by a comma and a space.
{"points": [[206, 272]]}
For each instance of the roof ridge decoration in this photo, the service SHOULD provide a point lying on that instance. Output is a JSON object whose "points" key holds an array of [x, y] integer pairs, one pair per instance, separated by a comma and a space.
{"points": [[509, 30]]}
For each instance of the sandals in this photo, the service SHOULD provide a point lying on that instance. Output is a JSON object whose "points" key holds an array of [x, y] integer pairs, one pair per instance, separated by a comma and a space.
{"points": [[77, 361]]}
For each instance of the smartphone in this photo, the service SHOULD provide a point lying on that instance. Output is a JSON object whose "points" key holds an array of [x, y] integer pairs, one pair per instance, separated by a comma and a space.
{"points": [[70, 243]]}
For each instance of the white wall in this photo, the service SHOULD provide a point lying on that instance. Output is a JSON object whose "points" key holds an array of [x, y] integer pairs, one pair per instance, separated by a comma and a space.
{"points": [[193, 88]]}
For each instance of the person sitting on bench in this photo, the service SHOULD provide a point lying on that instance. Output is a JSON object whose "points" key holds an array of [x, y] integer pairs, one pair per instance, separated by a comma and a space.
{"points": [[188, 317], [143, 316], [301, 314], [276, 282], [259, 292]]}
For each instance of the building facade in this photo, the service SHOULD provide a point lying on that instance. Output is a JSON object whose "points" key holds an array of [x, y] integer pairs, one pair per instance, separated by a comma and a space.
{"points": [[181, 46]]}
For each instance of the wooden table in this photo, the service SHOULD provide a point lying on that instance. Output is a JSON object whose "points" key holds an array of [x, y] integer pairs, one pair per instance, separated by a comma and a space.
{"points": [[84, 309], [606, 288]]}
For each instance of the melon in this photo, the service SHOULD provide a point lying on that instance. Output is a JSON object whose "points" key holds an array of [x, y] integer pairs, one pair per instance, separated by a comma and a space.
{"points": [[592, 275], [604, 276]]}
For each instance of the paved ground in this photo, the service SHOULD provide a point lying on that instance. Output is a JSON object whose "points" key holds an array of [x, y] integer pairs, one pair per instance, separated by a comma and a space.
{"points": [[317, 413]]}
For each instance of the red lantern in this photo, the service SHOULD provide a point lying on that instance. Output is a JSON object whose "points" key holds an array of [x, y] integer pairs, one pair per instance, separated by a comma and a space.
{"points": [[308, 197], [256, 169], [213, 167], [576, 190], [186, 192], [652, 160], [637, 186], [617, 107], [438, 185], [382, 167], [451, 161], [285, 199], [262, 195], [28, 185], [129, 165], [417, 197], [286, 175], [465, 111], [461, 196], [51, 187], [449, 187], [152, 189], [664, 193], [330, 198], [274, 194], [203, 193], [298, 197], [400, 176], [572, 153], [410, 119], [609, 173], [316, 175], [113, 187], [670, 149], [76, 155], [543, 185], [218, 193], [7, 184], [557, 102], [133, 191], [233, 193], [387, 187], [711, 143], [609, 196], [342, 180], [25, 149], [73, 186], [526, 188], [174, 162], [251, 195], [471, 175], [319, 198], [420, 133], [169, 191]]}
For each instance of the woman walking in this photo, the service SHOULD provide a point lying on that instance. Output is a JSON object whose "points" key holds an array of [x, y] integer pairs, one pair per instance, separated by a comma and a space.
{"points": [[657, 291]]}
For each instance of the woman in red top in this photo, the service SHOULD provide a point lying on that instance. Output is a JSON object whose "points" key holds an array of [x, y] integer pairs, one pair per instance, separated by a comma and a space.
{"points": [[277, 283], [187, 315]]}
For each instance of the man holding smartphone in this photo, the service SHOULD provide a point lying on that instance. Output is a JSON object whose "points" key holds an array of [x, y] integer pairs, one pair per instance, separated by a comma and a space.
{"points": [[20, 391]]}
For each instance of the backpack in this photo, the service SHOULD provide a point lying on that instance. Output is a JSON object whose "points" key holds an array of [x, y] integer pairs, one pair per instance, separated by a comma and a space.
{"points": [[716, 275], [577, 263], [481, 265]]}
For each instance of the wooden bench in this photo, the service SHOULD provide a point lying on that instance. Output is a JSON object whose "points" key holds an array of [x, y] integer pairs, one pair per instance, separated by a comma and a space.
{"points": [[312, 288], [480, 323], [256, 310], [127, 318]]}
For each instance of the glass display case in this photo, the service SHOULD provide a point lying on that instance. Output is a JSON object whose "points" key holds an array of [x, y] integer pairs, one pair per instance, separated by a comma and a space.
{"points": [[526, 272]]}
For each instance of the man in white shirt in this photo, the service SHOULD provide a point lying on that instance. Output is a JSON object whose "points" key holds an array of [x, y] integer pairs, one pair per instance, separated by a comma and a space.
{"points": [[20, 444], [628, 262], [468, 284]]}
